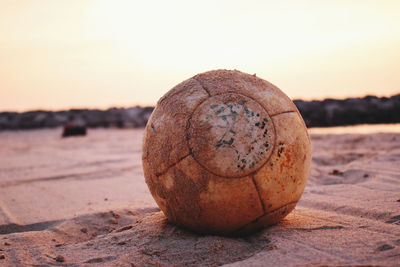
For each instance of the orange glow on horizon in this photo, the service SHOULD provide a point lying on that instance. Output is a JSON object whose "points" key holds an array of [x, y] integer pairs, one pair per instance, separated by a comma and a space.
{"points": [[63, 54]]}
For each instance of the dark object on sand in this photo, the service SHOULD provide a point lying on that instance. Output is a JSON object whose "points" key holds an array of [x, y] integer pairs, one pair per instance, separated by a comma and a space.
{"points": [[60, 259], [73, 130], [336, 172]]}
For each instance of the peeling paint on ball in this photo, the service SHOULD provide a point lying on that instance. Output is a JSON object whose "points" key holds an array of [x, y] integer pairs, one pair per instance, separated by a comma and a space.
{"points": [[226, 152], [230, 135]]}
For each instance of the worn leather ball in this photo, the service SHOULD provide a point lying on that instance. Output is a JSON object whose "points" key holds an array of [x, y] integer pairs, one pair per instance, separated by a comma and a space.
{"points": [[225, 152]]}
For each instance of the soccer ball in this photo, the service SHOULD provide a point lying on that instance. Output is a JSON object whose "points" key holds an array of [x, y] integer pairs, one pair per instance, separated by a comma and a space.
{"points": [[225, 152]]}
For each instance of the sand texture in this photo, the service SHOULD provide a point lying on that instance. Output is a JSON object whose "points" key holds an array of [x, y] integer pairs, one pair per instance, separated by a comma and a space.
{"points": [[83, 202]]}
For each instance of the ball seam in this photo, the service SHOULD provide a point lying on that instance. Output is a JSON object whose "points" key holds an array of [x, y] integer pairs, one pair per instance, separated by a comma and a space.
{"points": [[202, 86], [258, 193], [258, 218], [172, 165]]}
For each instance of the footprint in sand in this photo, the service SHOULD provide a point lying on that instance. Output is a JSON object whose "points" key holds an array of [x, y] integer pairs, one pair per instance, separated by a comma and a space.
{"points": [[385, 247], [394, 220]]}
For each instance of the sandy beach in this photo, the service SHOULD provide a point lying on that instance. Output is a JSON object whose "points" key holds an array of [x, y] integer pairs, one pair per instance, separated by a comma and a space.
{"points": [[82, 201]]}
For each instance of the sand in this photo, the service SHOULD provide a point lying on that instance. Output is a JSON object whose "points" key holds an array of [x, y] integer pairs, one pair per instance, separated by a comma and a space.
{"points": [[82, 201]]}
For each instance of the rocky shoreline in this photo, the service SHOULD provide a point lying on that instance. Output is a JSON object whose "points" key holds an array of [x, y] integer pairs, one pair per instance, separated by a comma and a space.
{"points": [[350, 111], [325, 113], [134, 117]]}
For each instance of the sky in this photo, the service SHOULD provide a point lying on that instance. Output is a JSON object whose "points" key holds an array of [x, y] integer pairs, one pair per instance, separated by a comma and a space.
{"points": [[60, 54]]}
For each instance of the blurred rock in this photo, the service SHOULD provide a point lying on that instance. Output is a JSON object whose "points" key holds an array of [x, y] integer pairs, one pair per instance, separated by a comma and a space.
{"points": [[74, 130]]}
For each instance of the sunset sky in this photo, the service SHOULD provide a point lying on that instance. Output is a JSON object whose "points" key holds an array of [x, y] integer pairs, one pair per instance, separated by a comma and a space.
{"points": [[58, 54]]}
